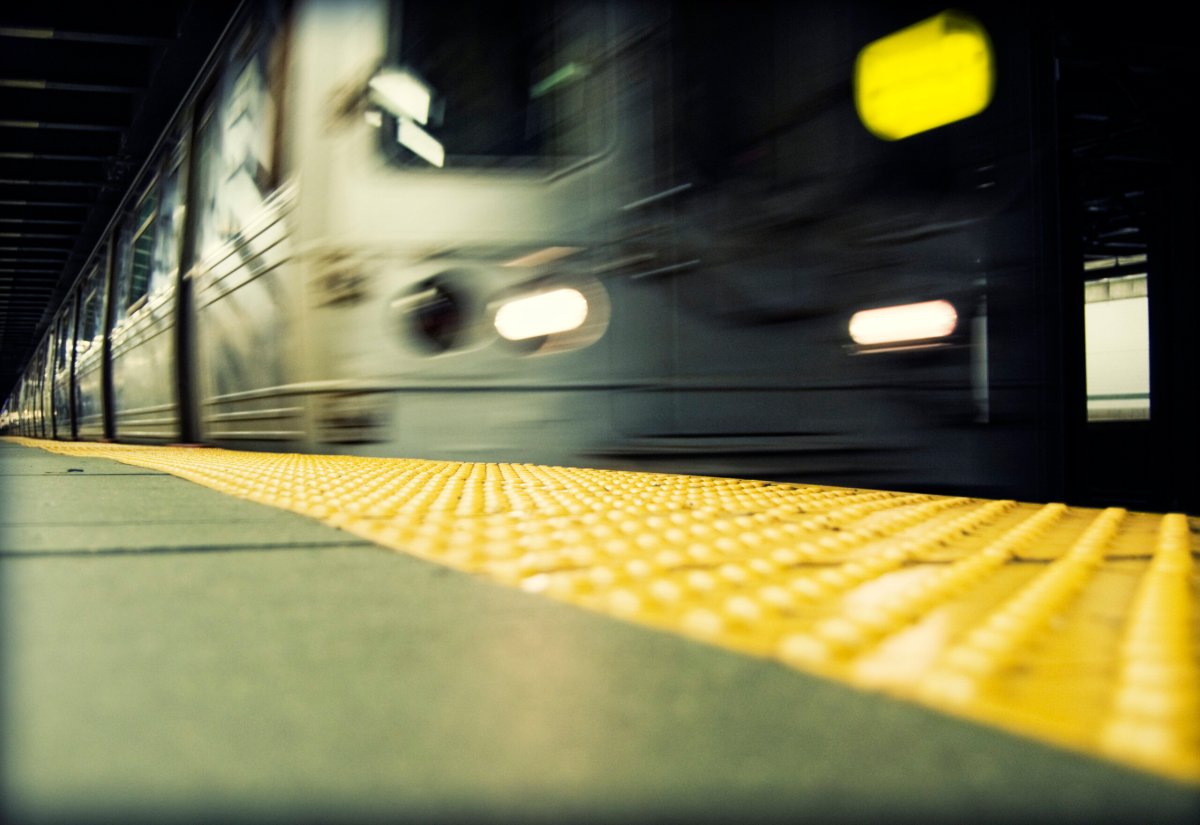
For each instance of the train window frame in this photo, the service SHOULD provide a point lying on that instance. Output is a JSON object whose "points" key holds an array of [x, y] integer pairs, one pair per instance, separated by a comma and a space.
{"points": [[597, 119], [172, 185], [254, 50], [227, 101], [139, 226], [92, 292], [65, 334], [206, 149]]}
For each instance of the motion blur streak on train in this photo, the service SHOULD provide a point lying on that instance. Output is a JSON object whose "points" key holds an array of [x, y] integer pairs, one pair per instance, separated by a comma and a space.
{"points": [[668, 236]]}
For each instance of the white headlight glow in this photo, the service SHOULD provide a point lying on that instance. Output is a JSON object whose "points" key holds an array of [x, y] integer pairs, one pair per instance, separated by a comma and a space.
{"points": [[904, 323], [544, 313]]}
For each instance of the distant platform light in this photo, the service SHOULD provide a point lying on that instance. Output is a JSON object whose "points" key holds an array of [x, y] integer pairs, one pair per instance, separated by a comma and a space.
{"points": [[903, 324], [932, 73], [544, 313]]}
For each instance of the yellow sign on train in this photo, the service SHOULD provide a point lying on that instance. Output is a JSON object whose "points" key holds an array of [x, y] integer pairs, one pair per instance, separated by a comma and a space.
{"points": [[927, 75]]}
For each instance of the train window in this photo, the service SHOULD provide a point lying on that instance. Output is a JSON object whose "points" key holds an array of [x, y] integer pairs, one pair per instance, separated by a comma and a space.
{"points": [[88, 331], [248, 140], [63, 337], [508, 83], [1117, 346], [930, 74], [208, 148], [170, 217], [237, 137], [138, 246], [92, 316]]}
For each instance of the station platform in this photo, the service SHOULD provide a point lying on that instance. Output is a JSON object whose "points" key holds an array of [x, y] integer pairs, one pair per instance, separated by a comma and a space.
{"points": [[192, 634]]}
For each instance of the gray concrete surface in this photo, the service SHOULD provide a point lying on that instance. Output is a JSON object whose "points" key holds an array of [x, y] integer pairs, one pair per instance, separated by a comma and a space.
{"points": [[173, 654]]}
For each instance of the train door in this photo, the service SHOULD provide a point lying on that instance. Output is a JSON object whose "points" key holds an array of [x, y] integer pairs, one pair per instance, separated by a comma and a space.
{"points": [[19, 406], [33, 398], [28, 408], [30, 401], [43, 366], [144, 314], [91, 379], [1128, 271], [240, 341], [48, 385], [33, 395], [63, 372]]}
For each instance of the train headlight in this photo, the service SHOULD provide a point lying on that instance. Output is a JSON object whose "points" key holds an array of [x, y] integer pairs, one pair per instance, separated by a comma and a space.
{"points": [[905, 324], [541, 314], [552, 314]]}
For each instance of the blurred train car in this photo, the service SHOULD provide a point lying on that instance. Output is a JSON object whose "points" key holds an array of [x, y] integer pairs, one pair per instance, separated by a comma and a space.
{"points": [[780, 240]]}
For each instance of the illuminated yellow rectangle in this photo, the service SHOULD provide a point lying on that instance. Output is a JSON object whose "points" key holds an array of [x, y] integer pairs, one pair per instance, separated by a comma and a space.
{"points": [[932, 73]]}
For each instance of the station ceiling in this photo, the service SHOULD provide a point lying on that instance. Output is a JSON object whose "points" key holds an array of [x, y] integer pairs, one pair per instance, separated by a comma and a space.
{"points": [[86, 88]]}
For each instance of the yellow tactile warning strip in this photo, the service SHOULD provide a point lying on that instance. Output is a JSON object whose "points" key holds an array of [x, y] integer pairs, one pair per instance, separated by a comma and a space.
{"points": [[1072, 625]]}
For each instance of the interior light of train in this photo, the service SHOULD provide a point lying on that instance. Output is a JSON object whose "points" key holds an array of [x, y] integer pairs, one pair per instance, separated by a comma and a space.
{"points": [[401, 93], [932, 73], [903, 323], [544, 313], [425, 145]]}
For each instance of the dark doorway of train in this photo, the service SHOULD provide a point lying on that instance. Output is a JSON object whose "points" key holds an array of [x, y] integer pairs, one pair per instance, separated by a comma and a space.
{"points": [[1127, 261]]}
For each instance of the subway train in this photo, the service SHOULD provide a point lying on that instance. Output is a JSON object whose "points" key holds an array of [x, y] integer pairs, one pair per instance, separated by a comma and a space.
{"points": [[836, 243]]}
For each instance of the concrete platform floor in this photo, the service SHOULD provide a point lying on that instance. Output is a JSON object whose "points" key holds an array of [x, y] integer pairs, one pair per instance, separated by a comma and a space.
{"points": [[173, 654]]}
